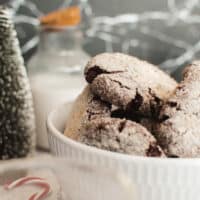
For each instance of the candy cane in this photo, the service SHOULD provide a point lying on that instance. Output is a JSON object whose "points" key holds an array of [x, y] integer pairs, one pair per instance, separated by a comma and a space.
{"points": [[31, 180], [43, 194]]}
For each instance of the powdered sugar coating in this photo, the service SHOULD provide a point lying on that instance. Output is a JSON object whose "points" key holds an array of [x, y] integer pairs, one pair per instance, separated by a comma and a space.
{"points": [[120, 135], [128, 82], [179, 131], [86, 107]]}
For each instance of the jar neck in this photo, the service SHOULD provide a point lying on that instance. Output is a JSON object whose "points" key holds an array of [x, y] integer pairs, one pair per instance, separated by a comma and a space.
{"points": [[66, 39]]}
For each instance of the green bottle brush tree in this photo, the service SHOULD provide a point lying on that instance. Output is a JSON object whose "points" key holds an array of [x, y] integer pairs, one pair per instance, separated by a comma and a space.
{"points": [[17, 128]]}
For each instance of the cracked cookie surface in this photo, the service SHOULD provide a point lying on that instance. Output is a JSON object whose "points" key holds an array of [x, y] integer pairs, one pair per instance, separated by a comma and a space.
{"points": [[86, 107], [120, 135], [129, 83], [148, 123], [179, 130]]}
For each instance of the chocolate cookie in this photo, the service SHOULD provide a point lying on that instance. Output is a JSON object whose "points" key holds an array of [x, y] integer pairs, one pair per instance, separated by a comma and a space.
{"points": [[147, 122], [179, 130], [129, 83], [86, 107], [120, 135]]}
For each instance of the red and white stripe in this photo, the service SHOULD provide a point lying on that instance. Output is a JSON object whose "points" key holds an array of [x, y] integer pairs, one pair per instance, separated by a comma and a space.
{"points": [[40, 182]]}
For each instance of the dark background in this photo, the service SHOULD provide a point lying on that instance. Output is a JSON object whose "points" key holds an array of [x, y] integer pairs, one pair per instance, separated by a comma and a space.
{"points": [[171, 38]]}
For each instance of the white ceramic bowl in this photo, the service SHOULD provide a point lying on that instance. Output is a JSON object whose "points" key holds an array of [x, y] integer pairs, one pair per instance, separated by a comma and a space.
{"points": [[154, 178]]}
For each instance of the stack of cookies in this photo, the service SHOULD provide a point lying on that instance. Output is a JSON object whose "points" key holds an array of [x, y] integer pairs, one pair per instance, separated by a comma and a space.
{"points": [[131, 106]]}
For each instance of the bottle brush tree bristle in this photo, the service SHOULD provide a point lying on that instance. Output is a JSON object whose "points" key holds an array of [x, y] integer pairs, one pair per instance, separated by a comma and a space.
{"points": [[16, 107]]}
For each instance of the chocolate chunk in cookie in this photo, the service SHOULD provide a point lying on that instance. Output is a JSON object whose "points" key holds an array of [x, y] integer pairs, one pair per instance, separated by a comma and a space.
{"points": [[179, 128], [147, 122], [120, 135], [86, 107], [129, 83]]}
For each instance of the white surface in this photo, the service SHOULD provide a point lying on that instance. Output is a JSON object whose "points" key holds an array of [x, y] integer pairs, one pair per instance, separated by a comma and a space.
{"points": [[154, 178], [48, 92], [68, 180], [15, 169]]}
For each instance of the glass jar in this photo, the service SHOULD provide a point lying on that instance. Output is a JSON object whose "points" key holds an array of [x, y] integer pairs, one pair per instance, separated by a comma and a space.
{"points": [[60, 179], [56, 73]]}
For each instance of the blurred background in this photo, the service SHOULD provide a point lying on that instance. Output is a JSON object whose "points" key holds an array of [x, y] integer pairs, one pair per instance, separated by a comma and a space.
{"points": [[164, 32]]}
